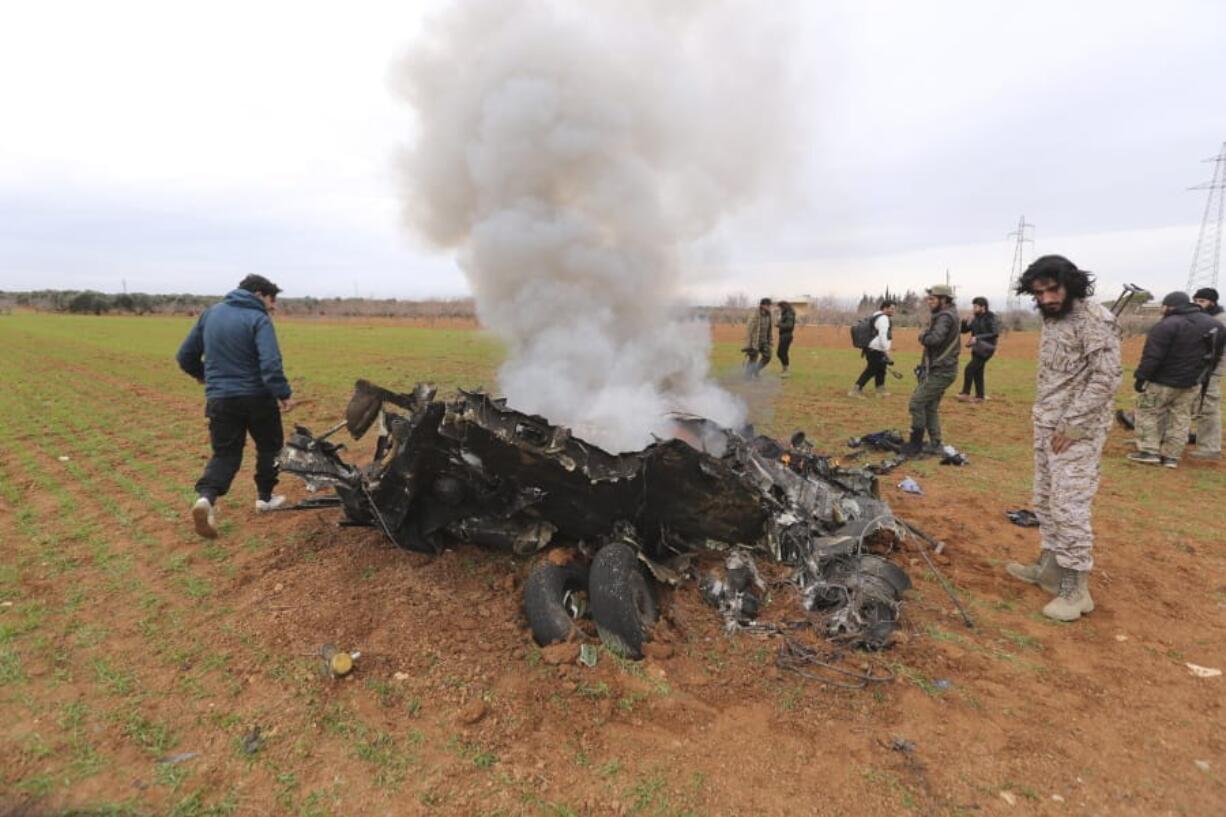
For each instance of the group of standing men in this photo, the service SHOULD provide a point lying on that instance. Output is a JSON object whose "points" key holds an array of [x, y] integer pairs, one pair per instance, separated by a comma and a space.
{"points": [[1079, 372], [758, 336], [1179, 381], [938, 368]]}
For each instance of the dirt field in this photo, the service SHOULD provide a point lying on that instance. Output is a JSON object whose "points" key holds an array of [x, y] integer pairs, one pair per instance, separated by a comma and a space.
{"points": [[125, 641]]}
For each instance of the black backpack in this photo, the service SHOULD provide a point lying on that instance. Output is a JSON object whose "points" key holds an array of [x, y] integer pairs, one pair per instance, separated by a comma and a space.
{"points": [[862, 331]]}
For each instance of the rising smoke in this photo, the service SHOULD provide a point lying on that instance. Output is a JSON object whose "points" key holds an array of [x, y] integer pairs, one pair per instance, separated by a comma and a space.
{"points": [[570, 152]]}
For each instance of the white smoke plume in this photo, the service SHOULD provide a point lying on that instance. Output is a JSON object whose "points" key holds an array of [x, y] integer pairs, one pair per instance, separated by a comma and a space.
{"points": [[570, 151]]}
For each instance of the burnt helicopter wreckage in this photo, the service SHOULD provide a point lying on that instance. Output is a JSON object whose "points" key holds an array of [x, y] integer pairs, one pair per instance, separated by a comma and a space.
{"points": [[471, 469]]}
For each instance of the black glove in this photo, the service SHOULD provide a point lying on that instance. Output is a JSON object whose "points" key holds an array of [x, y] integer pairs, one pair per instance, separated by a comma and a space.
{"points": [[1139, 385]]}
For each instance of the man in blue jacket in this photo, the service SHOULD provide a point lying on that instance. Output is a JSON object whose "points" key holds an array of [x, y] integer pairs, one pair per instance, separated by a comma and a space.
{"points": [[233, 351]]}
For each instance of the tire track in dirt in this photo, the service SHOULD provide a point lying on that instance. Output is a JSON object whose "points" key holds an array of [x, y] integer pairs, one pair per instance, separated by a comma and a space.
{"points": [[81, 498], [67, 439], [164, 707], [72, 663]]}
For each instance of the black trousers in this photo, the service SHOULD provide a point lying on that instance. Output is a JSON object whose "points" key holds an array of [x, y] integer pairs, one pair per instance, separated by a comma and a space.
{"points": [[974, 375], [785, 343], [874, 369], [231, 419]]}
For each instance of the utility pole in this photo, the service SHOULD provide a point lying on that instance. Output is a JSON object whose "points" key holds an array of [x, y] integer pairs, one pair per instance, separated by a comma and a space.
{"points": [[1206, 261], [1012, 301]]}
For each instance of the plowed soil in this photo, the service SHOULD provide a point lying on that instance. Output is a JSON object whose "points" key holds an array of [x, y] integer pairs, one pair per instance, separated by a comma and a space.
{"points": [[137, 660]]}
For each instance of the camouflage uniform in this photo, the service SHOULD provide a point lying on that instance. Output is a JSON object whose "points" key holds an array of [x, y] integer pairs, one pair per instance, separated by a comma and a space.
{"points": [[758, 338], [1209, 418], [1163, 417], [1079, 372]]}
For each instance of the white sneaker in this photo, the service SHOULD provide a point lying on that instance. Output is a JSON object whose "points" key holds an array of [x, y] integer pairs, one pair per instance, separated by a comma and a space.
{"points": [[275, 501], [204, 515]]}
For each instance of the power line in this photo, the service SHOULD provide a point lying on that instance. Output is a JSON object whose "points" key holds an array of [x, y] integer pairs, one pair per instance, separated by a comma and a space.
{"points": [[1207, 259], [1013, 301]]}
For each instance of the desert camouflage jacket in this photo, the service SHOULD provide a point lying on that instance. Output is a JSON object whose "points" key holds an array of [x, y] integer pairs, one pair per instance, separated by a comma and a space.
{"points": [[758, 335], [1079, 371], [1220, 314]]}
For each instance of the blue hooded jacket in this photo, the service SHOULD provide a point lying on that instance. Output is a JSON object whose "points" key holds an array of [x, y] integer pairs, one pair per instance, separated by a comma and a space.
{"points": [[238, 345]]}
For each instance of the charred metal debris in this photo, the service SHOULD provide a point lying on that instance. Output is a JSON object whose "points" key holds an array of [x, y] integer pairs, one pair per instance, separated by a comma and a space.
{"points": [[891, 441], [471, 469]]}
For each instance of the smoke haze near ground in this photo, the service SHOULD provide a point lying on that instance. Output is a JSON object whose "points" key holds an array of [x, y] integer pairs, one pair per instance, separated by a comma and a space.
{"points": [[569, 152]]}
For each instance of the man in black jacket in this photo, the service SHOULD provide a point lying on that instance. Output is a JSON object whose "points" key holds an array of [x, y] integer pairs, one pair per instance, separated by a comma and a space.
{"points": [[787, 325], [1209, 418], [1168, 379], [984, 331]]}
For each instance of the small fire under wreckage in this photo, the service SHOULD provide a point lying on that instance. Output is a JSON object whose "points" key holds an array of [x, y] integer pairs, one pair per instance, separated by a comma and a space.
{"points": [[471, 469]]}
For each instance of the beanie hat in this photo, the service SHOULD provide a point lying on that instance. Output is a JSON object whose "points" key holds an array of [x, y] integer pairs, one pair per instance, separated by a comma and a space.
{"points": [[1205, 294], [1176, 299]]}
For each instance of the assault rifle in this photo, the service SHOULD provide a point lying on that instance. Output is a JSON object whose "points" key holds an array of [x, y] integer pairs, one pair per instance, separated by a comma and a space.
{"points": [[1215, 343]]}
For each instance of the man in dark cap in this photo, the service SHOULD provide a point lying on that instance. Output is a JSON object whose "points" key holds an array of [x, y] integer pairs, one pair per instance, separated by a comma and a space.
{"points": [[937, 371], [758, 339], [1168, 380], [1209, 416], [233, 351]]}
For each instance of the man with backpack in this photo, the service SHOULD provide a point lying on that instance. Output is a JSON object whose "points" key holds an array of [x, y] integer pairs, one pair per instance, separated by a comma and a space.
{"points": [[1180, 352], [1209, 418], [984, 331], [936, 372], [872, 335]]}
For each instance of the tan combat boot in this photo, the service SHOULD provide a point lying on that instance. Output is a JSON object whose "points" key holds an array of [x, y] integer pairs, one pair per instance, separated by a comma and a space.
{"points": [[1043, 572], [1074, 599]]}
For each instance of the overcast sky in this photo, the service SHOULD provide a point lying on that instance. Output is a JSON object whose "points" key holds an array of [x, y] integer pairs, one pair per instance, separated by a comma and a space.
{"points": [[178, 146]]}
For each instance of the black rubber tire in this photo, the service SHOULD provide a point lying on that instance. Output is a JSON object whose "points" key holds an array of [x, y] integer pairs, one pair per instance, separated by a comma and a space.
{"points": [[622, 602], [544, 590]]}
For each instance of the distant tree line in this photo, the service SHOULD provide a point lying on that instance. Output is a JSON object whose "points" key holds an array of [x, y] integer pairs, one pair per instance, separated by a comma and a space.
{"points": [[89, 302], [908, 303], [826, 310]]}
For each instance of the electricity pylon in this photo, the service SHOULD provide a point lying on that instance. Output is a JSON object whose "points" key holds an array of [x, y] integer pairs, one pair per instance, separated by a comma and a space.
{"points": [[1208, 257], [1012, 301]]}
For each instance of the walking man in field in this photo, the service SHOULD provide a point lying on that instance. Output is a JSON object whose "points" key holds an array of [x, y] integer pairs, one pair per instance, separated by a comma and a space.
{"points": [[877, 352], [1209, 416], [758, 339], [1177, 355], [233, 351], [937, 371], [1079, 372], [787, 325], [984, 331]]}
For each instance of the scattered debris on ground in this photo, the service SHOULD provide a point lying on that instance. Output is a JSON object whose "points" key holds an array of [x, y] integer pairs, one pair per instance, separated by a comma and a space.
{"points": [[910, 486], [1023, 518]]}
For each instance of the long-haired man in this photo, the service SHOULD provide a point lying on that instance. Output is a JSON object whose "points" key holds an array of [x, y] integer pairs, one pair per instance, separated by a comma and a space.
{"points": [[1079, 372]]}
